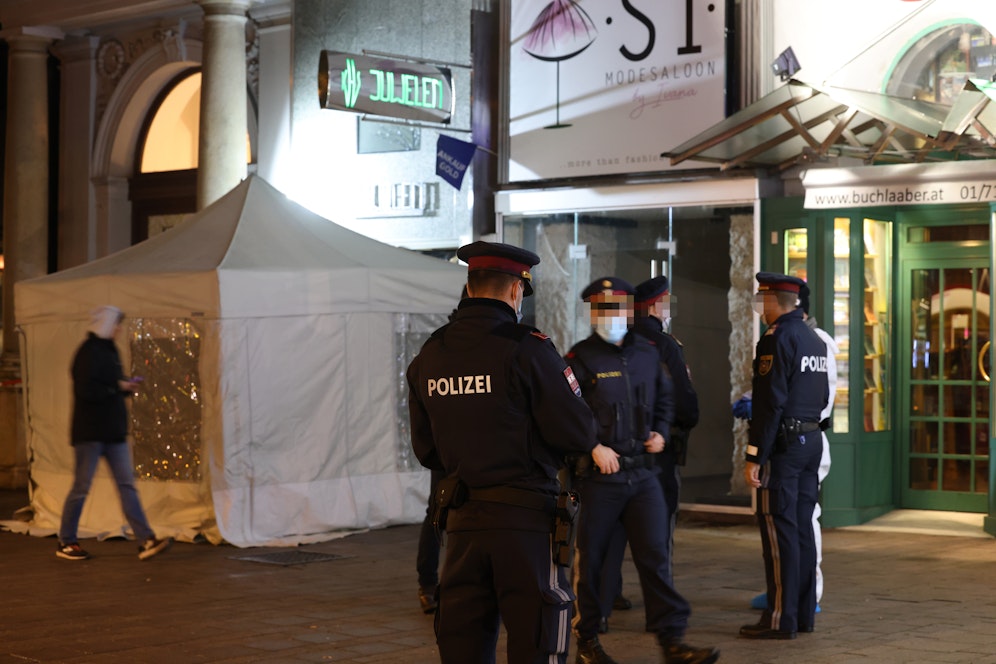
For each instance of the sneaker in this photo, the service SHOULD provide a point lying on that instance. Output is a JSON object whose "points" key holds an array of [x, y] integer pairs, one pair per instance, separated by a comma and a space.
{"points": [[71, 552], [590, 652], [153, 546]]}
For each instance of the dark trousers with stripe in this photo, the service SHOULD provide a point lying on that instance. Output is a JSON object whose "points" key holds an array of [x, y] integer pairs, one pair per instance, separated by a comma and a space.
{"points": [[507, 575], [640, 507], [789, 491]]}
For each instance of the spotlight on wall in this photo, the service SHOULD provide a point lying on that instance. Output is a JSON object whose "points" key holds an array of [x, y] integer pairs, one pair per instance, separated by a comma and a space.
{"points": [[786, 64]]}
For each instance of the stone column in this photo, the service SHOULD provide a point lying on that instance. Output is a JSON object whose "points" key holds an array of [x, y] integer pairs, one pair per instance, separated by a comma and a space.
{"points": [[26, 171], [78, 117], [274, 97], [222, 158]]}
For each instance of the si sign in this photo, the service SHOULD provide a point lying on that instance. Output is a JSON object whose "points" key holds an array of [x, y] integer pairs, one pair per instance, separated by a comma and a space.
{"points": [[380, 86]]}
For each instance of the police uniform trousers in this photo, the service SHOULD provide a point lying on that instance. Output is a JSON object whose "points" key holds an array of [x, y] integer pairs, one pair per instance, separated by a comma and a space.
{"points": [[785, 501], [670, 479], [639, 505], [427, 559], [508, 575]]}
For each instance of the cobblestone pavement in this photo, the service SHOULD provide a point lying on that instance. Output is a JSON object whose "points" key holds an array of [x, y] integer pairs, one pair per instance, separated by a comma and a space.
{"points": [[890, 597]]}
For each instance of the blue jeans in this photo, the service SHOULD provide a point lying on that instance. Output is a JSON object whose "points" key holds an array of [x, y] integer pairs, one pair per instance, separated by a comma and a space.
{"points": [[118, 456]]}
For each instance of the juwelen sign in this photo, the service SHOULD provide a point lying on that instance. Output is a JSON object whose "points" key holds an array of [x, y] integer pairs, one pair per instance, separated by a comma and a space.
{"points": [[381, 86]]}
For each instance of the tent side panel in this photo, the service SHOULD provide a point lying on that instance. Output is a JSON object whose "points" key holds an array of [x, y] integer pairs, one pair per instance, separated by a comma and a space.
{"points": [[173, 508]]}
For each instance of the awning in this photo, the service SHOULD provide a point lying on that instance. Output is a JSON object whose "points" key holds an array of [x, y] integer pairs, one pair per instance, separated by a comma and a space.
{"points": [[802, 123]]}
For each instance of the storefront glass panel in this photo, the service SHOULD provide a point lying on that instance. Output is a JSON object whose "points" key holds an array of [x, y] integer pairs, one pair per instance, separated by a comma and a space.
{"points": [[692, 246], [877, 324]]}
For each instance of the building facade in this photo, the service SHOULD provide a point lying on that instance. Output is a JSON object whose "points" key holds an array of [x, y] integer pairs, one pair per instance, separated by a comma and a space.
{"points": [[570, 136]]}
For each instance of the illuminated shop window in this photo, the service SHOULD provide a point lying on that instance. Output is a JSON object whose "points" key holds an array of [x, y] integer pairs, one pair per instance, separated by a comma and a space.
{"points": [[936, 65]]}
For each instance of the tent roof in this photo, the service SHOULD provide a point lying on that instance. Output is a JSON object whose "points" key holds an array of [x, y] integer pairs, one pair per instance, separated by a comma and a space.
{"points": [[254, 252]]}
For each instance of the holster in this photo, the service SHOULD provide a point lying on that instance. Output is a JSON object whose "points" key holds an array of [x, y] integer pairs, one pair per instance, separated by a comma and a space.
{"points": [[580, 466], [565, 528], [450, 492], [679, 445]]}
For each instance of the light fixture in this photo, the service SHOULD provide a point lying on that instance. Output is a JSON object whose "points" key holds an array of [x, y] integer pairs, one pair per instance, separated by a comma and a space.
{"points": [[786, 64]]}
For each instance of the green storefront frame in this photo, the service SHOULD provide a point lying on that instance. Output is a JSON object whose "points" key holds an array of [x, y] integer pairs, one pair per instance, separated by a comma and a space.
{"points": [[866, 476]]}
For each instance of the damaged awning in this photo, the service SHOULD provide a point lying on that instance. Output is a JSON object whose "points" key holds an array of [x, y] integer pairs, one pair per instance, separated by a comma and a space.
{"points": [[801, 123]]}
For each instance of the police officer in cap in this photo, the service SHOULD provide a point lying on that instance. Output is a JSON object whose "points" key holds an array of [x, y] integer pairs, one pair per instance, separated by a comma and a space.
{"points": [[790, 390], [625, 384], [495, 408], [653, 312]]}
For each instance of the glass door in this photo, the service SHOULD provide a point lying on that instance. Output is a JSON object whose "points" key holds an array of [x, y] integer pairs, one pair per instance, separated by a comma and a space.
{"points": [[945, 462]]}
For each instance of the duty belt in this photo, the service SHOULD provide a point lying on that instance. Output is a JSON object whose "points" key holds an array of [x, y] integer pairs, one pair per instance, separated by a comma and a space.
{"points": [[795, 426], [507, 495], [644, 460]]}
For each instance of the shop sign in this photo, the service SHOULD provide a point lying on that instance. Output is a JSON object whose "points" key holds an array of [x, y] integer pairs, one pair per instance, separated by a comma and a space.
{"points": [[386, 87], [950, 183], [604, 86]]}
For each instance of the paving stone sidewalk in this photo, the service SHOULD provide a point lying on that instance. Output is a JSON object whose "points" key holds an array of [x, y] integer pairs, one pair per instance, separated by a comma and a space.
{"points": [[890, 597]]}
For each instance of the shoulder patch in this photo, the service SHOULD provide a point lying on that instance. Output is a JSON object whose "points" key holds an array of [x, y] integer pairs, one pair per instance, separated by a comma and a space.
{"points": [[677, 341], [764, 364], [572, 381], [771, 330], [539, 335]]}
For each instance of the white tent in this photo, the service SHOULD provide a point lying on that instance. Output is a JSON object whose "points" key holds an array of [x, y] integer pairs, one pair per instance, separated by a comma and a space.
{"points": [[273, 344]]}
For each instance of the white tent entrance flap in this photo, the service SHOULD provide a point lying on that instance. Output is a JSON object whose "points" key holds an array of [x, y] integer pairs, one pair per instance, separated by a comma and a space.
{"points": [[273, 345]]}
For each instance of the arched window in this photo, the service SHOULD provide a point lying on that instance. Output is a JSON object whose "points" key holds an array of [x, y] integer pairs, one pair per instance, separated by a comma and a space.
{"points": [[164, 189], [171, 137], [937, 64]]}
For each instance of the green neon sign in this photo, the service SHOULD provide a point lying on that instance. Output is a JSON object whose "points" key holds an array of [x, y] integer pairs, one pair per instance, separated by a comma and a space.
{"points": [[381, 86]]}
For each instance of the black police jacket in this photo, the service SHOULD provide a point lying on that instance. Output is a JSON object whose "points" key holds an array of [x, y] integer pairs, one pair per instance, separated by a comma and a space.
{"points": [[790, 382], [492, 402], [686, 401], [629, 392], [99, 410]]}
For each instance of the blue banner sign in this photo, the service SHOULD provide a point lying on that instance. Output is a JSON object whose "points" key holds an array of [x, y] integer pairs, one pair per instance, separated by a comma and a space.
{"points": [[452, 159]]}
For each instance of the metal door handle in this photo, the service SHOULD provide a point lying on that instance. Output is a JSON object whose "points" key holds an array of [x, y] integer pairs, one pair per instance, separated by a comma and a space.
{"points": [[982, 354]]}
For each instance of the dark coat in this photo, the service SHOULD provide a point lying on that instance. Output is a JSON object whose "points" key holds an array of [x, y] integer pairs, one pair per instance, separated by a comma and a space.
{"points": [[493, 403], [99, 410]]}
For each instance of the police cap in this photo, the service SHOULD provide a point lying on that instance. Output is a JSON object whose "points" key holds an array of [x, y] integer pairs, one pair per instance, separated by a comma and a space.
{"points": [[772, 281], [609, 286], [651, 289], [500, 257]]}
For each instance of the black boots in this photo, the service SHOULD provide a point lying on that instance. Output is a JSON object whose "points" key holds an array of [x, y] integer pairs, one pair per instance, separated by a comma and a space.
{"points": [[590, 652], [676, 652]]}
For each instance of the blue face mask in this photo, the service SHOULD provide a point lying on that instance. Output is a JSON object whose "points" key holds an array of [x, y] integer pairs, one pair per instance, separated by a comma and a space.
{"points": [[612, 329]]}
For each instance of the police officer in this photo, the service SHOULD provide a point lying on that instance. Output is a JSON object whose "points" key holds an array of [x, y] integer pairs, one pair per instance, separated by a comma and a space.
{"points": [[623, 381], [790, 389], [653, 310], [495, 408]]}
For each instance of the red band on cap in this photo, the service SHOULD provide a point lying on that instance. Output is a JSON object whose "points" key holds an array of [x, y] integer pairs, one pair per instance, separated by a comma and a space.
{"points": [[780, 286], [651, 300], [499, 264]]}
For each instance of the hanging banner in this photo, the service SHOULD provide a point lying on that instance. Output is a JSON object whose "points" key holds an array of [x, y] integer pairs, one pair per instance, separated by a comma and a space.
{"points": [[381, 86], [452, 159], [605, 86]]}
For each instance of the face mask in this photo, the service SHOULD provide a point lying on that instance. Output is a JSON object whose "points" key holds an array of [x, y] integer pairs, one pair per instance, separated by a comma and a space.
{"points": [[518, 306], [612, 329]]}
